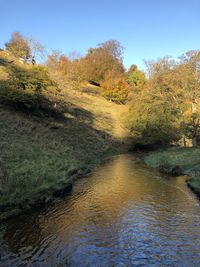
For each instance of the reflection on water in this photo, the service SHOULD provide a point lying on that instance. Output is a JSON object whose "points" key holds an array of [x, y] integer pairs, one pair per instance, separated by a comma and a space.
{"points": [[123, 214]]}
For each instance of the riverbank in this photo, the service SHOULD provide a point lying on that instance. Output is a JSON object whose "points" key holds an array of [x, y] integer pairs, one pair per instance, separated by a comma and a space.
{"points": [[177, 161], [48, 191], [40, 159]]}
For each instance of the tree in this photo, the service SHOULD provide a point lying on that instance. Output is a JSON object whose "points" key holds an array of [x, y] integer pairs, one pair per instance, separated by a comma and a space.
{"points": [[37, 49], [154, 67], [18, 46], [113, 48], [168, 106], [189, 69], [115, 87], [135, 78], [65, 71], [98, 61], [155, 114], [154, 117]]}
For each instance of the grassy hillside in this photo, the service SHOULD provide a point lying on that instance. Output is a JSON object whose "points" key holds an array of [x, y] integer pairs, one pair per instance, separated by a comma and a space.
{"points": [[48, 138]]}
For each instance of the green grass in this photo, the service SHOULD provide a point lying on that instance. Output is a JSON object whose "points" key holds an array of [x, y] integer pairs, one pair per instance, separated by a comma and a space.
{"points": [[38, 158], [187, 159]]}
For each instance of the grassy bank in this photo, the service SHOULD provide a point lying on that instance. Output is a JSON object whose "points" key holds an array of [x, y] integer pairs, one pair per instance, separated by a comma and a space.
{"points": [[48, 142], [178, 160], [39, 158]]}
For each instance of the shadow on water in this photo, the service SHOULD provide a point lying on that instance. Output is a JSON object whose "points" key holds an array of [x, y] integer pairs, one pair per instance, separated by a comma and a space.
{"points": [[122, 214]]}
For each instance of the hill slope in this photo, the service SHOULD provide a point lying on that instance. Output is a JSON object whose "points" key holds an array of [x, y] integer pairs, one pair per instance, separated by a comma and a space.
{"points": [[44, 149]]}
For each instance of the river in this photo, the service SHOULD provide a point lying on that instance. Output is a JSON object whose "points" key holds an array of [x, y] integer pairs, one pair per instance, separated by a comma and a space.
{"points": [[122, 214]]}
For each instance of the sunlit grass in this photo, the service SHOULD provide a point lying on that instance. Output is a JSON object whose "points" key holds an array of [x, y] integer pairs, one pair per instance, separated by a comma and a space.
{"points": [[36, 158], [183, 157]]}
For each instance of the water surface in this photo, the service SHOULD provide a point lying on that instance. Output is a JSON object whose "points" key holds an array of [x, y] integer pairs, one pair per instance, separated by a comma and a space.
{"points": [[122, 214]]}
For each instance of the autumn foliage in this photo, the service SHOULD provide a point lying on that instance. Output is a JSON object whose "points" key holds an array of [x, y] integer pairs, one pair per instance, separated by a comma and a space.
{"points": [[115, 88], [18, 46]]}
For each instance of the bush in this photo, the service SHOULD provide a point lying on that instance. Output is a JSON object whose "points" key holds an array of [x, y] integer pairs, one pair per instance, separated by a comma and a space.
{"points": [[116, 89], [35, 79], [152, 122], [23, 88]]}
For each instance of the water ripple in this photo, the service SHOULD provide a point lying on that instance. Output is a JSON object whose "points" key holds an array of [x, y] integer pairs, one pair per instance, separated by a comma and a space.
{"points": [[123, 214]]}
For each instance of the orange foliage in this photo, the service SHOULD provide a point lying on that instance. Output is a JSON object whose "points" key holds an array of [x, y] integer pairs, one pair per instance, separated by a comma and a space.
{"points": [[115, 87]]}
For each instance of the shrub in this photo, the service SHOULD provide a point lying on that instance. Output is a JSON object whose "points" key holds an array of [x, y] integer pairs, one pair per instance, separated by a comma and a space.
{"points": [[116, 89], [23, 88], [35, 79]]}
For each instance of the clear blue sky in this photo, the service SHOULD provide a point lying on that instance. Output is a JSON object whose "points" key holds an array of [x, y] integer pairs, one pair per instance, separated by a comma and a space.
{"points": [[148, 29]]}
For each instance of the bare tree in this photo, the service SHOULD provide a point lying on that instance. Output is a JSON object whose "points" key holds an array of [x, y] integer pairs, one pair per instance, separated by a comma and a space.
{"points": [[38, 51]]}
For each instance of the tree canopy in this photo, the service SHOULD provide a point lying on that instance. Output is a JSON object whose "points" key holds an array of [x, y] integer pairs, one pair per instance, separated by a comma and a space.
{"points": [[167, 108], [105, 57], [18, 46]]}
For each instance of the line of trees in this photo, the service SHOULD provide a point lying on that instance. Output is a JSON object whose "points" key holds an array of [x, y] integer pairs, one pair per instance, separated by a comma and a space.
{"points": [[102, 65], [167, 108]]}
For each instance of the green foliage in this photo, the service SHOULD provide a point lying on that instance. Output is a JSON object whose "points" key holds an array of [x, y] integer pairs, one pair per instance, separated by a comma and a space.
{"points": [[135, 77], [17, 98], [162, 111], [24, 87], [35, 79], [153, 121]]}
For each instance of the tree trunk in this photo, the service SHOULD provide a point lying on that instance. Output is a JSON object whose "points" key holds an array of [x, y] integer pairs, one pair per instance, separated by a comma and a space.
{"points": [[194, 141]]}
